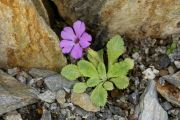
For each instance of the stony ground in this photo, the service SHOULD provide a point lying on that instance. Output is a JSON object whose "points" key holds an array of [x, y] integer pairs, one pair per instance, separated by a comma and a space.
{"points": [[141, 100]]}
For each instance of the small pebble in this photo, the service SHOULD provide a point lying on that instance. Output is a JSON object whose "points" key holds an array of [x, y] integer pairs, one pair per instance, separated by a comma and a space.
{"points": [[60, 96], [166, 105], [53, 107], [134, 98], [46, 115], [13, 71], [164, 61], [14, 115], [116, 117], [177, 64], [47, 96], [171, 70], [136, 56], [41, 73], [21, 79], [163, 72], [150, 73]]}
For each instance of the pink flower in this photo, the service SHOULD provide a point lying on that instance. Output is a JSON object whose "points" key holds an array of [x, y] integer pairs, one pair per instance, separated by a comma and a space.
{"points": [[75, 40]]}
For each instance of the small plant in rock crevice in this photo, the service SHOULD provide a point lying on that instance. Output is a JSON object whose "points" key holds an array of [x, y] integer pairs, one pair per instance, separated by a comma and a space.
{"points": [[97, 75], [171, 48]]}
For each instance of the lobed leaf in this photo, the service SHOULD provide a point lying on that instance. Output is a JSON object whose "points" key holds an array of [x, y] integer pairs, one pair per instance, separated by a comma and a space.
{"points": [[101, 54], [92, 82], [121, 68], [79, 87], [70, 72], [99, 96], [102, 71], [108, 85], [93, 57], [121, 82], [115, 48], [87, 69]]}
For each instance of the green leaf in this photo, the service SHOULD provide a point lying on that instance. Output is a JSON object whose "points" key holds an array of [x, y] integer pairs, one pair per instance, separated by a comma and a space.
{"points": [[93, 57], [115, 48], [70, 72], [121, 82], [102, 71], [108, 85], [87, 69], [92, 82], [79, 87], [99, 96], [101, 54], [121, 68]]}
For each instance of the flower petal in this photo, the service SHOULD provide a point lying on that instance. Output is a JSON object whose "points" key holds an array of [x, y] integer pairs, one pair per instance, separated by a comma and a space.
{"points": [[76, 52], [68, 34], [79, 28], [85, 40], [66, 46]]}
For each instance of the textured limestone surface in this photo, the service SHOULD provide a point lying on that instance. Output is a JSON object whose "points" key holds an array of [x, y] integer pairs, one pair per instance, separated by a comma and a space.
{"points": [[135, 18], [26, 40], [13, 94]]}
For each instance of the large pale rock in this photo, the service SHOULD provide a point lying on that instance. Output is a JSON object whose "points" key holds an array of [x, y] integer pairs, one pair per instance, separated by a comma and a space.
{"points": [[13, 94], [41, 10], [25, 38], [135, 18], [149, 107]]}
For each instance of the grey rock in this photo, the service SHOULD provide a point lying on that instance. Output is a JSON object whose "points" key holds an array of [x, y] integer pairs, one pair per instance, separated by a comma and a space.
{"points": [[173, 79], [177, 64], [174, 112], [178, 115], [13, 94], [54, 107], [92, 117], [164, 61], [136, 81], [78, 118], [47, 105], [134, 97], [150, 109], [47, 96], [41, 73], [166, 105], [136, 56], [106, 114], [60, 96], [116, 117], [24, 74], [14, 115], [57, 82], [21, 79], [176, 53], [31, 82], [46, 115], [161, 50], [116, 110], [13, 71], [65, 113], [80, 111]]}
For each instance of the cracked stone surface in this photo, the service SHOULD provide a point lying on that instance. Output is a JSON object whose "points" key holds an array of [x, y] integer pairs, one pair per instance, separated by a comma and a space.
{"points": [[13, 95]]}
